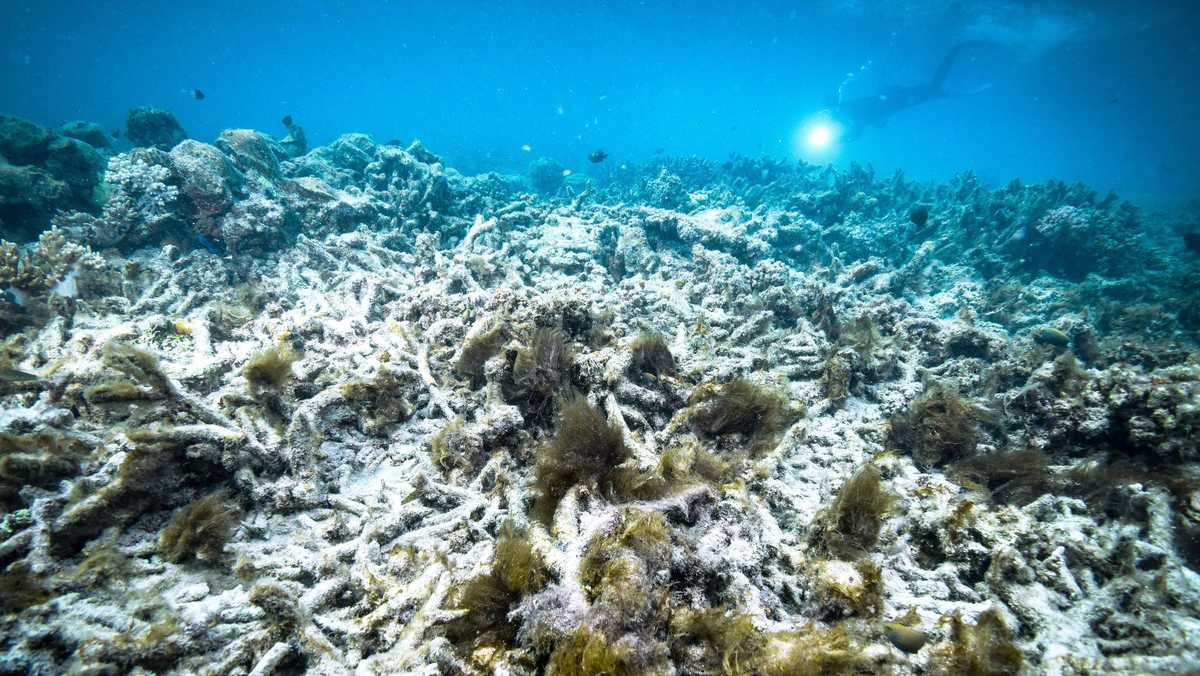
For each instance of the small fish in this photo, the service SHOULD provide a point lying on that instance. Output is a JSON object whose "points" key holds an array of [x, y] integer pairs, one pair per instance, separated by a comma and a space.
{"points": [[1050, 336], [919, 215], [1191, 240], [199, 95], [567, 172], [526, 147], [12, 375], [287, 120], [116, 133], [208, 244], [905, 638], [597, 156], [659, 151]]}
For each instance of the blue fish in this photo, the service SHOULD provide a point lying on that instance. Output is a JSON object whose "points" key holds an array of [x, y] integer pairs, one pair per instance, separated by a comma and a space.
{"points": [[208, 244]]}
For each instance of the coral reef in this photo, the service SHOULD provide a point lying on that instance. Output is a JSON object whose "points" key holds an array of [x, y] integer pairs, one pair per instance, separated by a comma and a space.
{"points": [[350, 411]]}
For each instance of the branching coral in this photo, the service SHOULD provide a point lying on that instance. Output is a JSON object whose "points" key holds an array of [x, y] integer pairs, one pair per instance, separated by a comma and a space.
{"points": [[52, 266]]}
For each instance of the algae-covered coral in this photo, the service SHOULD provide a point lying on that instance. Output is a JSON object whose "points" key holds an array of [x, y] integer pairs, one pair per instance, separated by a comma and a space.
{"points": [[388, 418]]}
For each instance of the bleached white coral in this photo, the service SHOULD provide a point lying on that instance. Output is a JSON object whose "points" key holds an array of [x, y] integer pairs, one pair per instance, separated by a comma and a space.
{"points": [[140, 202]]}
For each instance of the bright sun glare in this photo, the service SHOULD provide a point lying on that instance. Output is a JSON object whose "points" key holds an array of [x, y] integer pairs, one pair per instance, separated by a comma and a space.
{"points": [[817, 138], [820, 136]]}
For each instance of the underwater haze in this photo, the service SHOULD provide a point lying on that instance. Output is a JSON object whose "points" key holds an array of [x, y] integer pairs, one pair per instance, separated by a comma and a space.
{"points": [[599, 339], [1101, 92]]}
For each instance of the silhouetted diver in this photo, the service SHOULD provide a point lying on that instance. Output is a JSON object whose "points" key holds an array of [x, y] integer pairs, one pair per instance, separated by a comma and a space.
{"points": [[874, 111]]}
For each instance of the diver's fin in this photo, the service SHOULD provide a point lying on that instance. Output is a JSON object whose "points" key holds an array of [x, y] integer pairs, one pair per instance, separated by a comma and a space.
{"points": [[970, 92], [943, 69]]}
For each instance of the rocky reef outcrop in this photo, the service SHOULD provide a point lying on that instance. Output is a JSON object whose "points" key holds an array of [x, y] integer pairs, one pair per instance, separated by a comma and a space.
{"points": [[43, 171]]}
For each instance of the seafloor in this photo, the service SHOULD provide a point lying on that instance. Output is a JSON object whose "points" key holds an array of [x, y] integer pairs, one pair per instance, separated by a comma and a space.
{"points": [[349, 411]]}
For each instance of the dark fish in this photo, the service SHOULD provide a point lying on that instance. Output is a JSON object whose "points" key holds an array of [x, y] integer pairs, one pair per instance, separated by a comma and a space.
{"points": [[116, 133], [394, 142], [919, 215], [198, 94], [12, 375], [1191, 240], [208, 244], [287, 120], [597, 156], [905, 638]]}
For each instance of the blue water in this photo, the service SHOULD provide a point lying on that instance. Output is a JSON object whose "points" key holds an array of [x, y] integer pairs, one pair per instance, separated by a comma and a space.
{"points": [[1092, 91]]}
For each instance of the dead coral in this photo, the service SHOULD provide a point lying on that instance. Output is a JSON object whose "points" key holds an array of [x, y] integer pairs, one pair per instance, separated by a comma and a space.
{"points": [[281, 609], [39, 459], [138, 376], [1016, 478], [379, 402], [836, 376], [586, 448], [812, 651], [721, 641], [20, 588], [642, 533], [715, 641], [841, 589], [587, 652], [849, 527], [679, 468], [199, 529]]}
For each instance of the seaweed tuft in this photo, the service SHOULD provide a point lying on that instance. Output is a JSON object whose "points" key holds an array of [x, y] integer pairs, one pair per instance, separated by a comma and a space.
{"points": [[743, 407], [586, 652], [270, 369], [517, 569], [475, 353], [649, 354], [586, 448], [541, 372], [939, 427], [199, 529], [850, 526], [985, 649], [715, 641]]}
